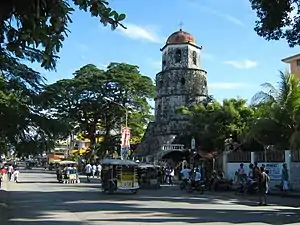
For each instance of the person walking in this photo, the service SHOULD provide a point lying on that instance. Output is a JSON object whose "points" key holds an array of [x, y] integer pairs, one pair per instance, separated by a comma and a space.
{"points": [[99, 168], [10, 171], [263, 186], [94, 170], [88, 172], [16, 175]]}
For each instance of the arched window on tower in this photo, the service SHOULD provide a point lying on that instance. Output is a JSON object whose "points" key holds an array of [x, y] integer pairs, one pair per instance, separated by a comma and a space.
{"points": [[182, 81], [161, 83], [178, 56], [195, 57]]}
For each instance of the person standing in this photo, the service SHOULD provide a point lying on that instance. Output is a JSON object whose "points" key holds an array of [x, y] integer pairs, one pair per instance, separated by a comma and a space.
{"points": [[16, 175], [99, 168], [255, 171], [285, 177], [88, 172], [263, 186], [10, 171], [94, 170]]}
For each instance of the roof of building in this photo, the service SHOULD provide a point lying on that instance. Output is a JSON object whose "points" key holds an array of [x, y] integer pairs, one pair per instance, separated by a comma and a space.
{"points": [[291, 58], [180, 37]]}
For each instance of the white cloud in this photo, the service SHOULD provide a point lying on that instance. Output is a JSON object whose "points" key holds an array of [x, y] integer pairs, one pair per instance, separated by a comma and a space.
{"points": [[137, 32], [227, 85], [242, 64], [228, 17]]}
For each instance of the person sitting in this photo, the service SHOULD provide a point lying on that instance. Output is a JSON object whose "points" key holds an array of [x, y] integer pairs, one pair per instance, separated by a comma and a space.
{"points": [[185, 173], [197, 176]]}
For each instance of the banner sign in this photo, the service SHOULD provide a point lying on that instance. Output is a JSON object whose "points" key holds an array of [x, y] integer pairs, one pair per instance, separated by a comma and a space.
{"points": [[125, 142], [275, 171]]}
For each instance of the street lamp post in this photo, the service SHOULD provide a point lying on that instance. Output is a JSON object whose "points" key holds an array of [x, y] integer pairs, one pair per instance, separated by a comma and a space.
{"points": [[126, 111], [126, 119]]}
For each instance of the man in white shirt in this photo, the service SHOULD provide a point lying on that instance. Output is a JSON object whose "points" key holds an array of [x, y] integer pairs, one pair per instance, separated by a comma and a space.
{"points": [[185, 173], [88, 171], [94, 169], [10, 171], [16, 175], [99, 168]]}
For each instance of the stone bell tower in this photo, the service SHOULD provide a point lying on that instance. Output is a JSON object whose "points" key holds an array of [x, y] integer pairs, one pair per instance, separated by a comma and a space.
{"points": [[181, 82]]}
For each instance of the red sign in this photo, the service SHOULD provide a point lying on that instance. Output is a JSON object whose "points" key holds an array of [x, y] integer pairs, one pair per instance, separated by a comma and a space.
{"points": [[125, 142]]}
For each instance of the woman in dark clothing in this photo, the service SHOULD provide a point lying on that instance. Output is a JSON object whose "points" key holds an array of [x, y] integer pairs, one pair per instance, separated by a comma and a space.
{"points": [[262, 187]]}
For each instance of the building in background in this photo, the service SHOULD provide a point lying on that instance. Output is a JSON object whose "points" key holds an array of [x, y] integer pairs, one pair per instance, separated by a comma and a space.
{"points": [[294, 62]]}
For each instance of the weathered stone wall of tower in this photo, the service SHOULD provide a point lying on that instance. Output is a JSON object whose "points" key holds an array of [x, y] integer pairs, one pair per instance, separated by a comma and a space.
{"points": [[176, 88], [190, 57], [181, 82]]}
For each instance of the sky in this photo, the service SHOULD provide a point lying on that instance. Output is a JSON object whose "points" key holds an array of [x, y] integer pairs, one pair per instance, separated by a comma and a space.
{"points": [[236, 59]]}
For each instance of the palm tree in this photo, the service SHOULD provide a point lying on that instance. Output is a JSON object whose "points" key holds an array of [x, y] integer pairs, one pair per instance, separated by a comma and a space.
{"points": [[278, 113]]}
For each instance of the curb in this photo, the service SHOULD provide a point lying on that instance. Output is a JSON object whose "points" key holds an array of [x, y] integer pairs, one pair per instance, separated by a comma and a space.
{"points": [[274, 194], [288, 194]]}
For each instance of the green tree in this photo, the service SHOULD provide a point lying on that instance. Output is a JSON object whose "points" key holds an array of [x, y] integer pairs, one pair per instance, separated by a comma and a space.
{"points": [[34, 31], [211, 124], [276, 20], [82, 100], [278, 115]]}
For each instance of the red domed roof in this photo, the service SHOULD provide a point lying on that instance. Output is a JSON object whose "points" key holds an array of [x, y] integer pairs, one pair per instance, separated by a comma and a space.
{"points": [[180, 37]]}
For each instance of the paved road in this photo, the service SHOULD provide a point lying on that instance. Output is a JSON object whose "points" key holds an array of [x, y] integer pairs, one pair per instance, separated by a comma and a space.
{"points": [[40, 200]]}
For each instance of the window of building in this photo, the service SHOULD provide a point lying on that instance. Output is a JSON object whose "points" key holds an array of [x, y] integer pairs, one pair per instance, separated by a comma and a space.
{"points": [[195, 57], [298, 62], [178, 56], [182, 81], [160, 84], [159, 107], [164, 62]]}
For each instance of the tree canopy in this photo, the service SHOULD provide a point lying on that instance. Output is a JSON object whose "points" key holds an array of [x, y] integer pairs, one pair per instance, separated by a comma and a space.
{"points": [[278, 20], [278, 114], [272, 119], [34, 31], [94, 100], [212, 123]]}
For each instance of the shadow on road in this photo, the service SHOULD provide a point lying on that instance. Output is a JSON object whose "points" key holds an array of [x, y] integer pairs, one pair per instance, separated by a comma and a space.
{"points": [[147, 207], [37, 182]]}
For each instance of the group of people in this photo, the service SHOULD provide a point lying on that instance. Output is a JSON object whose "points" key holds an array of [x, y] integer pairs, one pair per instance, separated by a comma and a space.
{"points": [[11, 172], [260, 177], [187, 174], [64, 172], [92, 170]]}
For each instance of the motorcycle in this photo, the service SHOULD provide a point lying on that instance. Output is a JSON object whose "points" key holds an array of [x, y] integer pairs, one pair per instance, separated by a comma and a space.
{"points": [[198, 186], [183, 184], [249, 187]]}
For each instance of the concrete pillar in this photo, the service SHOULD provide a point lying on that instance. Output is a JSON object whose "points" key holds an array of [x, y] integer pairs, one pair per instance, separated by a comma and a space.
{"points": [[253, 157], [224, 158], [288, 161]]}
